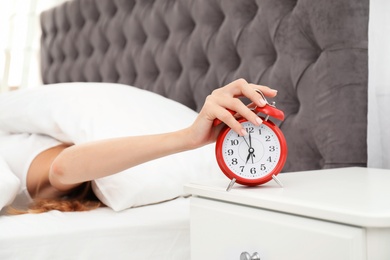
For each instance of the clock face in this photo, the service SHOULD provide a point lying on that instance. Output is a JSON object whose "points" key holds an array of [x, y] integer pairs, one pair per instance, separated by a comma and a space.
{"points": [[254, 158]]}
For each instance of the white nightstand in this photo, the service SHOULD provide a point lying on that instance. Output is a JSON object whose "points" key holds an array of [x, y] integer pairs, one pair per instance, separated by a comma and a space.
{"points": [[327, 214]]}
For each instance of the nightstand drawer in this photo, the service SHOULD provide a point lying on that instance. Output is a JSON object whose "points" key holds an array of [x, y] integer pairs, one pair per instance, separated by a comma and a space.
{"points": [[221, 230]]}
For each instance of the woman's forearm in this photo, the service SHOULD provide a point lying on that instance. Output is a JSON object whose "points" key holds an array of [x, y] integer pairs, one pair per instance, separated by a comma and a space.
{"points": [[89, 161]]}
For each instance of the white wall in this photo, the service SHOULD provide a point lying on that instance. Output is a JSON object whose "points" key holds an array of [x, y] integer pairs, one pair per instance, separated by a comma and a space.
{"points": [[378, 136], [20, 41]]}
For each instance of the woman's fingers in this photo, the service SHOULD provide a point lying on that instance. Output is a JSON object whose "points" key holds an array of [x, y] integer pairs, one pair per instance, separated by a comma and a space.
{"points": [[257, 94], [226, 98], [241, 87]]}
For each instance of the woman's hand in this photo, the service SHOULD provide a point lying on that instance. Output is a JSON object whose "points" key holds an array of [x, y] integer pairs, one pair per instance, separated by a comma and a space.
{"points": [[216, 107]]}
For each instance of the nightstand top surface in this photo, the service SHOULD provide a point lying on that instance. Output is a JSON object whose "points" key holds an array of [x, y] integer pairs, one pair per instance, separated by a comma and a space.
{"points": [[354, 196]]}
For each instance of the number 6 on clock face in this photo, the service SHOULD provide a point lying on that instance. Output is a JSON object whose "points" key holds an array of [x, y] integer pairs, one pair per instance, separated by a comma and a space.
{"points": [[253, 159]]}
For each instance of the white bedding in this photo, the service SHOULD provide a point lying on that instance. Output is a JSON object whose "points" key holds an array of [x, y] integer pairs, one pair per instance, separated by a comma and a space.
{"points": [[80, 112], [159, 231]]}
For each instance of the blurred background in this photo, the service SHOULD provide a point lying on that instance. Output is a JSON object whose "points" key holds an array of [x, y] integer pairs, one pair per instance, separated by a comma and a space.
{"points": [[19, 42]]}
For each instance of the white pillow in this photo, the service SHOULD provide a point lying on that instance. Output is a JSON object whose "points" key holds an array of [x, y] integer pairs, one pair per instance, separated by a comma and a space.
{"points": [[9, 184], [81, 112]]}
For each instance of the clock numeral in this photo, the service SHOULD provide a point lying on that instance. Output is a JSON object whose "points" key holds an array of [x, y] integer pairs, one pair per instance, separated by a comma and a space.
{"points": [[253, 170], [234, 142], [269, 159], [267, 138], [262, 167], [272, 148], [234, 161], [230, 152], [250, 130]]}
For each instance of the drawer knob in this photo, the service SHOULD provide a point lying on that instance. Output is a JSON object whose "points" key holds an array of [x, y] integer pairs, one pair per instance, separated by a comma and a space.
{"points": [[247, 256]]}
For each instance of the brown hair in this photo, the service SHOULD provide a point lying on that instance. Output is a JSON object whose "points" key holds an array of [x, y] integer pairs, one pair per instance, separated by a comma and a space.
{"points": [[80, 199]]}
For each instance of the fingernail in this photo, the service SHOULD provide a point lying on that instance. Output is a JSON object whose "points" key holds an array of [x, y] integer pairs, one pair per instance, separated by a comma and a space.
{"points": [[244, 132], [262, 102], [259, 121]]}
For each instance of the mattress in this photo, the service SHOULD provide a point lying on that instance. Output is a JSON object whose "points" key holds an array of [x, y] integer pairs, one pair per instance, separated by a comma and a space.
{"points": [[159, 231]]}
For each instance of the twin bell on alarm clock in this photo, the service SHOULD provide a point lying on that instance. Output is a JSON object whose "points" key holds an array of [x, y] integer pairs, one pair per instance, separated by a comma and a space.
{"points": [[257, 157]]}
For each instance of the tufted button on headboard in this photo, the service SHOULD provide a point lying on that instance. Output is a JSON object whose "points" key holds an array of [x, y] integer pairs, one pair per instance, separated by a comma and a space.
{"points": [[314, 52]]}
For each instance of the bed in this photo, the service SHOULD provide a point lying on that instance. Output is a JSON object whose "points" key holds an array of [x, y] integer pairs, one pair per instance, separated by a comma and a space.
{"points": [[313, 52]]}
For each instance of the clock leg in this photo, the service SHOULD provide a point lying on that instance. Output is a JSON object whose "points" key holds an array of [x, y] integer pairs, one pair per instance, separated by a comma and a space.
{"points": [[230, 186], [277, 181]]}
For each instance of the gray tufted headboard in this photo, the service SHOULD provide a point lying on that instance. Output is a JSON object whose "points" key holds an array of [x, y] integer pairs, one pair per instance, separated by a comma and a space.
{"points": [[313, 51]]}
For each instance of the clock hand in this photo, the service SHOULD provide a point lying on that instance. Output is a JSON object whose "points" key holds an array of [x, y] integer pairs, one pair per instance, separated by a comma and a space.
{"points": [[250, 154], [246, 141], [251, 150], [247, 158]]}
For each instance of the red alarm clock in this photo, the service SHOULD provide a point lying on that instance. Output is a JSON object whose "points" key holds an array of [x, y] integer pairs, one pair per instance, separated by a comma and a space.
{"points": [[259, 156]]}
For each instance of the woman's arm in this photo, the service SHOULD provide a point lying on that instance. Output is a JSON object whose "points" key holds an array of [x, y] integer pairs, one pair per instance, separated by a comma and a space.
{"points": [[80, 163], [92, 160]]}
